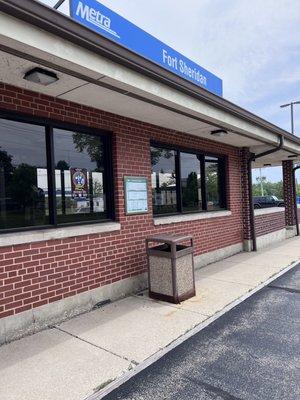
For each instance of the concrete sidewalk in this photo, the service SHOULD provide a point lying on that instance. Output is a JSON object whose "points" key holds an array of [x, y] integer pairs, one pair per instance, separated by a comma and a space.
{"points": [[83, 355]]}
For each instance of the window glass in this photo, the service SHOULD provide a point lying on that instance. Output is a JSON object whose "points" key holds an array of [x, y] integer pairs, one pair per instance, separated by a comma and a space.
{"points": [[190, 182], [79, 176], [212, 184], [163, 181], [23, 175]]}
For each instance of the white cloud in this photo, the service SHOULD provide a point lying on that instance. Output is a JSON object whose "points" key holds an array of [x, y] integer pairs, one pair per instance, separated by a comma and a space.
{"points": [[253, 46]]}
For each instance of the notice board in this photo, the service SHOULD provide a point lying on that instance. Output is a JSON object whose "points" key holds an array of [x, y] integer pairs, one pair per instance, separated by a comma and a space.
{"points": [[136, 195]]}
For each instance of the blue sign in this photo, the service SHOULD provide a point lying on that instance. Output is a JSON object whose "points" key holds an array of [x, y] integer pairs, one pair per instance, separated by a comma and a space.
{"points": [[107, 23]]}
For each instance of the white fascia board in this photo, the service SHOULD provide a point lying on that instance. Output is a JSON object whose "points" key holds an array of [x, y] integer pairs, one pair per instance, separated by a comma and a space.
{"points": [[39, 43]]}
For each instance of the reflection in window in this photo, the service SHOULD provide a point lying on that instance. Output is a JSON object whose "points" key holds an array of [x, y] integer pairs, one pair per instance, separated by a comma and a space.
{"points": [[23, 175], [212, 183], [163, 180], [200, 183], [79, 171], [190, 182]]}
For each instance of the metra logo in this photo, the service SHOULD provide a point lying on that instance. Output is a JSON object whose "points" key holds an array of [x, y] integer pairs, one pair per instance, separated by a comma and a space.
{"points": [[95, 17]]}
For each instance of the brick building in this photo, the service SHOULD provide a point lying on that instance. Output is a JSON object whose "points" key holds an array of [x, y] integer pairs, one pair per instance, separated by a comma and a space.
{"points": [[68, 239]]}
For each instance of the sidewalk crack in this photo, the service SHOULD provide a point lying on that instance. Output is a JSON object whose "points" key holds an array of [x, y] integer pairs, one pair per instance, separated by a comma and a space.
{"points": [[135, 363]]}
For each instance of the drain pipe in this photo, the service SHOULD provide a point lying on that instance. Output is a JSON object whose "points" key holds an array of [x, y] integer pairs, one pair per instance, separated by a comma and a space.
{"points": [[252, 158], [295, 201]]}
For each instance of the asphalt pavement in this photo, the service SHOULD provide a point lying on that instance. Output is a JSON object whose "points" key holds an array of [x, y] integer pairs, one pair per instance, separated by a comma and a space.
{"points": [[250, 353]]}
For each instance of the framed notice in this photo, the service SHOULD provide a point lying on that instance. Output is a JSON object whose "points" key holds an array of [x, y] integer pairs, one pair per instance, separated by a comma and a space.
{"points": [[136, 195]]}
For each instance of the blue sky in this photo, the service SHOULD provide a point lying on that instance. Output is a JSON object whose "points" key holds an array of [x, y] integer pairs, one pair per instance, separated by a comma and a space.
{"points": [[254, 47]]}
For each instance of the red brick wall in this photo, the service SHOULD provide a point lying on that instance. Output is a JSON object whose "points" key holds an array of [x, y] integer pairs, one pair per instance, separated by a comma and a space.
{"points": [[35, 274], [269, 223]]}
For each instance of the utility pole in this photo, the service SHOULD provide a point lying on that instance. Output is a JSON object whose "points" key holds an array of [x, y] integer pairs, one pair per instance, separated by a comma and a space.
{"points": [[291, 104]]}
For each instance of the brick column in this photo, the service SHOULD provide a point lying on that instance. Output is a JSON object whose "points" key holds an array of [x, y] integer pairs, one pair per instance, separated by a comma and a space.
{"points": [[288, 192], [244, 157]]}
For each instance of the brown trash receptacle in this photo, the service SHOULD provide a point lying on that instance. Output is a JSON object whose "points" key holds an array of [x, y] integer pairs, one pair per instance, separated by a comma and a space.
{"points": [[171, 268]]}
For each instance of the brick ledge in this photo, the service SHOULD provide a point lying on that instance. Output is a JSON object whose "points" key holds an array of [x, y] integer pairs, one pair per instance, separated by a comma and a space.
{"points": [[12, 239], [269, 210], [190, 217]]}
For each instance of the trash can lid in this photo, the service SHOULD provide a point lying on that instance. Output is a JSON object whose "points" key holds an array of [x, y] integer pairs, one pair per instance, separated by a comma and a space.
{"points": [[168, 238]]}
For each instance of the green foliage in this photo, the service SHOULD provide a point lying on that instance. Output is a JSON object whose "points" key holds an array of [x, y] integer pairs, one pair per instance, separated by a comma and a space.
{"points": [[190, 192], [212, 184], [62, 165], [91, 145], [270, 188], [23, 187], [157, 153], [6, 167]]}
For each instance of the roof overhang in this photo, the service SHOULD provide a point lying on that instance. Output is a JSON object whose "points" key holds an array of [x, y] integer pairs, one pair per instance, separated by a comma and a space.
{"points": [[99, 73]]}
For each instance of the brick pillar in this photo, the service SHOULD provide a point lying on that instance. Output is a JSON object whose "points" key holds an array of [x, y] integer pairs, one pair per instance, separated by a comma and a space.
{"points": [[288, 192], [244, 157]]}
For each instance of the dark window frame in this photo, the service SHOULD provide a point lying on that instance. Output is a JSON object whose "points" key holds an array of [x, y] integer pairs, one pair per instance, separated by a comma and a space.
{"points": [[49, 125], [222, 161]]}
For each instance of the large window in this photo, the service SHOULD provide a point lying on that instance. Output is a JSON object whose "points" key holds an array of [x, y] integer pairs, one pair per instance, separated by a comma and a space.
{"points": [[23, 175], [50, 175], [185, 182], [79, 176]]}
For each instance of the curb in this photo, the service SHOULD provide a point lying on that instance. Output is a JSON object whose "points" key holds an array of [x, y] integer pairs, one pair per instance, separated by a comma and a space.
{"points": [[156, 356]]}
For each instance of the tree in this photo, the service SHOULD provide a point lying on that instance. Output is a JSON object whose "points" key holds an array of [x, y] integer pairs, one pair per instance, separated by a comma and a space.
{"points": [[190, 192], [92, 145], [6, 167], [24, 192], [212, 190], [23, 187], [157, 153], [270, 188], [62, 165]]}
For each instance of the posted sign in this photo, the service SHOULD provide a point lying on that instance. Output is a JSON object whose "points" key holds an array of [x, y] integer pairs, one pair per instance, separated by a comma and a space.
{"points": [[106, 22], [136, 195], [79, 182]]}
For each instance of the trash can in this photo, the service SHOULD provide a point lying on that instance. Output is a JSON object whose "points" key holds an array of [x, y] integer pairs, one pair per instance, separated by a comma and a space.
{"points": [[171, 268]]}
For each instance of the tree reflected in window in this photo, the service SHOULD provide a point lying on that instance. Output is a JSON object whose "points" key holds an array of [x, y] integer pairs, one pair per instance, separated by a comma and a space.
{"points": [[23, 175], [163, 180]]}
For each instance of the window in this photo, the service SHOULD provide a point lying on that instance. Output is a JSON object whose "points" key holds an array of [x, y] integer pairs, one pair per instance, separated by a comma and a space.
{"points": [[79, 176], [51, 176], [185, 182]]}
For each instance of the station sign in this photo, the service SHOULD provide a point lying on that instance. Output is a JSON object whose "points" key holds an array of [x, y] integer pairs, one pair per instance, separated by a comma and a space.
{"points": [[111, 25]]}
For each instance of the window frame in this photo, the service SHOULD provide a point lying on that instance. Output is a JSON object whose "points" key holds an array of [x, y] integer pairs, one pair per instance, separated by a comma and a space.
{"points": [[222, 162], [49, 125]]}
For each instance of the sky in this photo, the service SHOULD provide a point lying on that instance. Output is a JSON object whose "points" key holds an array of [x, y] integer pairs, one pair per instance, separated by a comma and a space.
{"points": [[254, 47]]}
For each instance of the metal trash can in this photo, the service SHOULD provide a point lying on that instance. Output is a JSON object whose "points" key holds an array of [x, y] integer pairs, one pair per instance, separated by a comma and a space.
{"points": [[171, 268]]}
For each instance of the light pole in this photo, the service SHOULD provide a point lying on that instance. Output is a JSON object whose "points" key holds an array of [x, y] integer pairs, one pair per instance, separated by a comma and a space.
{"points": [[58, 4], [261, 183], [291, 104]]}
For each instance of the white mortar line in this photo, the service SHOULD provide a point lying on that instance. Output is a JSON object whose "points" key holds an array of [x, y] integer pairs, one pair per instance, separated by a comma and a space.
{"points": [[159, 354]]}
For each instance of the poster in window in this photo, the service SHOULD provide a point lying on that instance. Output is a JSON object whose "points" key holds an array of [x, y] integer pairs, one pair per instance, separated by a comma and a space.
{"points": [[136, 195], [79, 182]]}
